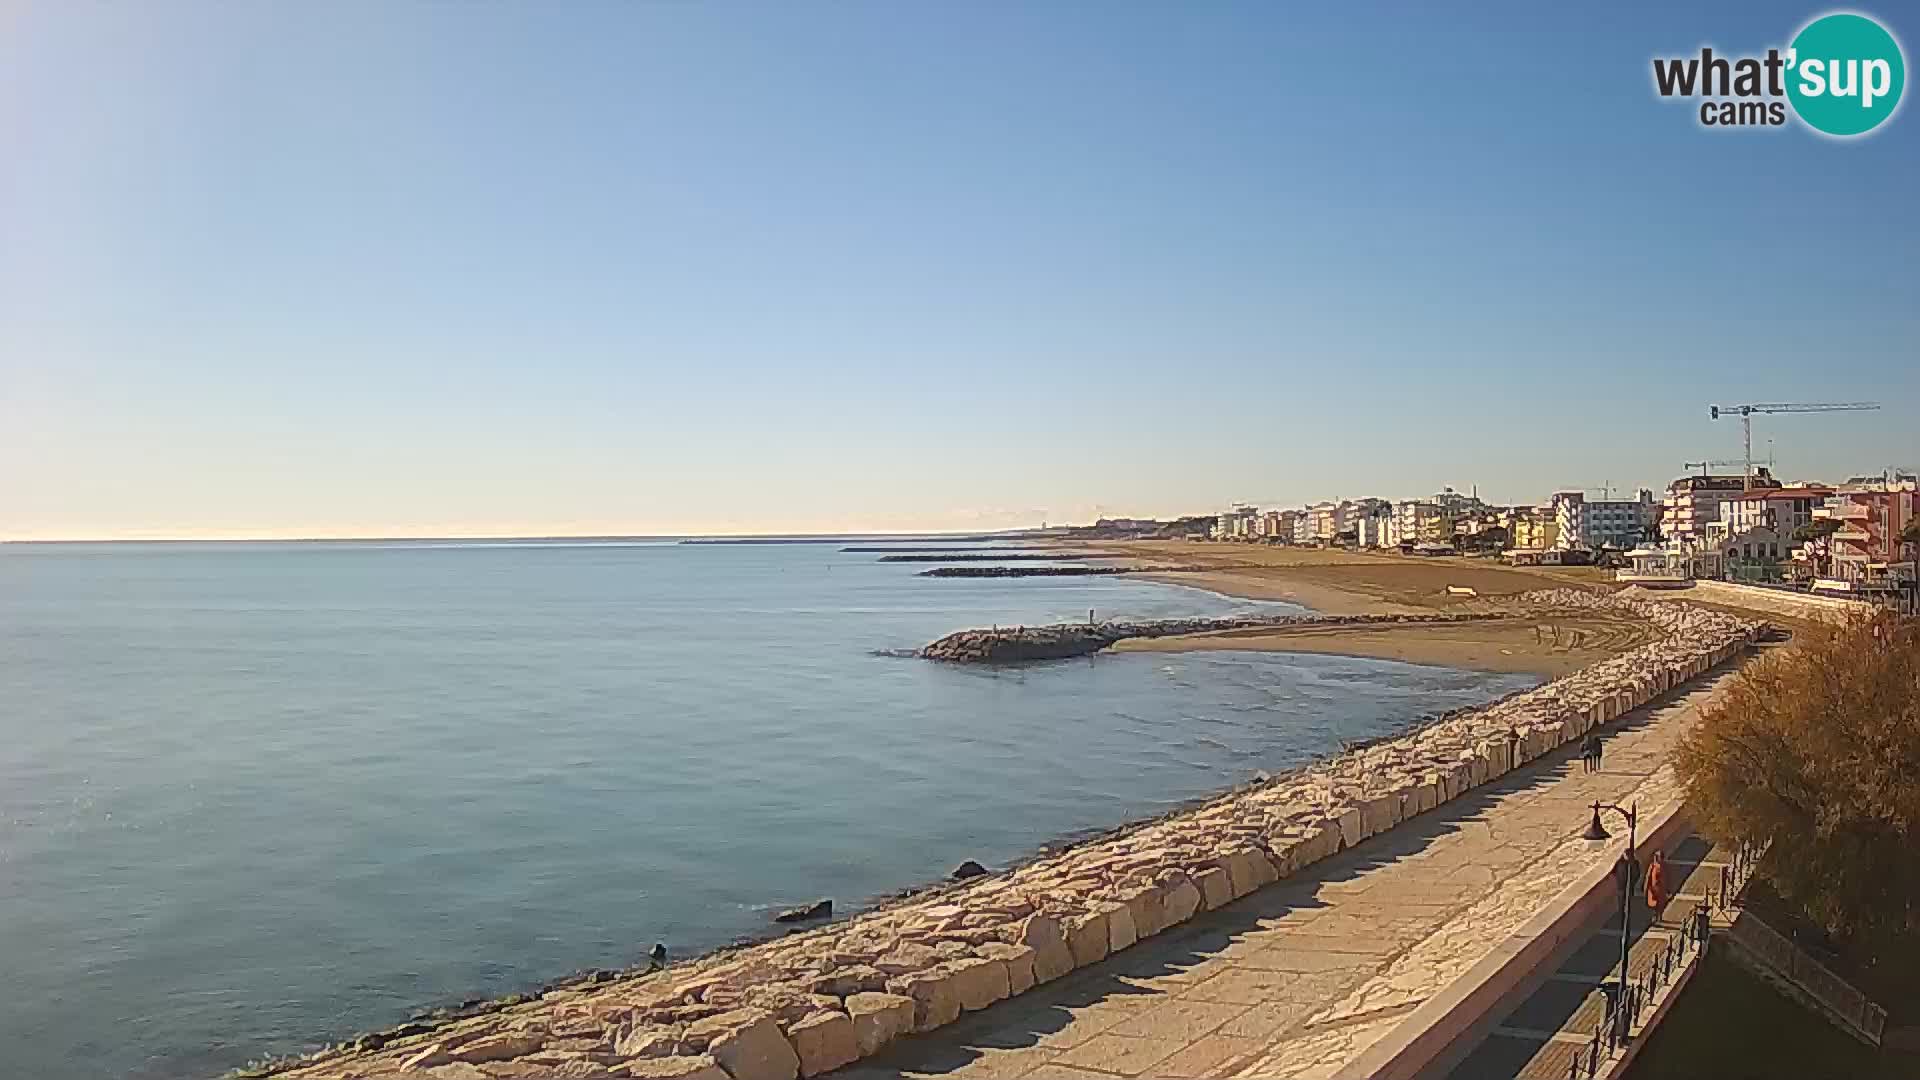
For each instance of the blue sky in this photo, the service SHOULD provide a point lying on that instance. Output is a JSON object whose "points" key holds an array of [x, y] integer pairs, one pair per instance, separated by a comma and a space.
{"points": [[427, 268]]}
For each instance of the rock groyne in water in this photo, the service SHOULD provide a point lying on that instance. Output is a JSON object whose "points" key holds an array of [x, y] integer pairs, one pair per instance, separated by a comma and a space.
{"points": [[1056, 571], [810, 1003], [1021, 644], [999, 556]]}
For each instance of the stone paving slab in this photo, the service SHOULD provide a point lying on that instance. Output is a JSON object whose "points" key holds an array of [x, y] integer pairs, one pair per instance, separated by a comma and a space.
{"points": [[1297, 979]]}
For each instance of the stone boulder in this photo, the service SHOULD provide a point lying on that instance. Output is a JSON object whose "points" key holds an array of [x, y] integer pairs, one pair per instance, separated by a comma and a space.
{"points": [[823, 1042], [878, 1019]]}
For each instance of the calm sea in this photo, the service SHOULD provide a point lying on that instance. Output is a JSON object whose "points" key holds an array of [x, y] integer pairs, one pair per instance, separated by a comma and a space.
{"points": [[258, 796]]}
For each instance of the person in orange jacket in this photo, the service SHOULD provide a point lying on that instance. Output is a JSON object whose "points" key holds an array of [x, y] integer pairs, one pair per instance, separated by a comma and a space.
{"points": [[1656, 883]]}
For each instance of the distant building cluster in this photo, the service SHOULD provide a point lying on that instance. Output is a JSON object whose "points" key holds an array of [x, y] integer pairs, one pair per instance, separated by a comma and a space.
{"points": [[1859, 535], [1569, 523]]}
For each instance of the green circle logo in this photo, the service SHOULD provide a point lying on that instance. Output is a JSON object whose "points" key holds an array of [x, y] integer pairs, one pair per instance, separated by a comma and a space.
{"points": [[1845, 74]]}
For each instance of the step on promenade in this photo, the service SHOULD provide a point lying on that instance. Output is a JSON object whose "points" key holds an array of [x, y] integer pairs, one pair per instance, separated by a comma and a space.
{"points": [[1296, 980]]}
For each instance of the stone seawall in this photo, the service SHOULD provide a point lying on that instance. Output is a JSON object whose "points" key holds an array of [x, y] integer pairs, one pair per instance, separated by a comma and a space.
{"points": [[1019, 644], [806, 1004], [1791, 605]]}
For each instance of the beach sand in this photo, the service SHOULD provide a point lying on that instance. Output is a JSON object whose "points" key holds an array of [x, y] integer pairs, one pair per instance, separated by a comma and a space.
{"points": [[1350, 583]]}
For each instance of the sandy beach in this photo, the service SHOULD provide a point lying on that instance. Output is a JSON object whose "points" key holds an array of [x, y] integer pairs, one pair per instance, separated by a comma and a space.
{"points": [[1351, 583]]}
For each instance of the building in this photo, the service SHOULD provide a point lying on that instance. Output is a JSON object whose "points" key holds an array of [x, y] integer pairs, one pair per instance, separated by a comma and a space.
{"points": [[1455, 507], [1620, 524], [1784, 508], [1751, 554], [1418, 521], [1371, 529], [1236, 524], [1692, 501], [1303, 527], [1278, 525], [1323, 520], [1533, 528], [1868, 548]]}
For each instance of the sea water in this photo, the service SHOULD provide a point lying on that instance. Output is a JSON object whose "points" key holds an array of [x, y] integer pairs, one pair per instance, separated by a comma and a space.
{"points": [[256, 797]]}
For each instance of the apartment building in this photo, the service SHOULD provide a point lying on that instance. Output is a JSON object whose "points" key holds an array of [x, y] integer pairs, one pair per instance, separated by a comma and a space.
{"points": [[1872, 515], [1534, 529], [1692, 501], [1418, 521], [1783, 509], [1620, 524]]}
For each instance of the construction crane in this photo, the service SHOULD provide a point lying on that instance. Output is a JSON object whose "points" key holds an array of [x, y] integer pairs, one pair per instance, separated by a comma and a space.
{"points": [[1726, 463], [1745, 412], [1703, 466]]}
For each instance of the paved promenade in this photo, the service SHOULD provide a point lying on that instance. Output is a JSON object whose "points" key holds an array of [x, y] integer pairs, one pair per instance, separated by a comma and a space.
{"points": [[1297, 979], [1540, 1036]]}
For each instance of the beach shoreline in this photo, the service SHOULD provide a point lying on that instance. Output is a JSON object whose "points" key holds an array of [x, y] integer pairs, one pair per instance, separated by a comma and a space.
{"points": [[1333, 582]]}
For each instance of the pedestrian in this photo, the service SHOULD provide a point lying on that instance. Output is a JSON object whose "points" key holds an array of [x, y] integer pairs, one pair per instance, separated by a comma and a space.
{"points": [[1598, 746], [1588, 752], [1656, 883]]}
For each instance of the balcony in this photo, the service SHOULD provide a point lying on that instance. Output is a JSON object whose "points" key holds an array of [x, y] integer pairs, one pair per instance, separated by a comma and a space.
{"points": [[1847, 511]]}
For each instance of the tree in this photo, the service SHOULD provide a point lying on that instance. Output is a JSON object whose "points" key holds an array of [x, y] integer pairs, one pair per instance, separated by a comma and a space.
{"points": [[1491, 538], [1817, 529], [1817, 537], [1818, 749]]}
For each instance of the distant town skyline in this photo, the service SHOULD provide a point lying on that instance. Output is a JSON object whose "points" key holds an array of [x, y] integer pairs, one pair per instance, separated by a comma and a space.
{"points": [[360, 269]]}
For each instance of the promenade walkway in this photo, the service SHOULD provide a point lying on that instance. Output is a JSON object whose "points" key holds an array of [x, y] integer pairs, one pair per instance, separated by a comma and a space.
{"points": [[1539, 1038], [1297, 979]]}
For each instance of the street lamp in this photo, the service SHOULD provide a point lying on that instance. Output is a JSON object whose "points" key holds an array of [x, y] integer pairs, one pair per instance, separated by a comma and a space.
{"points": [[1597, 833]]}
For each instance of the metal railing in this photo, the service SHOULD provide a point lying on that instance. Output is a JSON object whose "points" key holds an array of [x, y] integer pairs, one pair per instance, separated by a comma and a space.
{"points": [[1628, 1001], [1785, 956]]}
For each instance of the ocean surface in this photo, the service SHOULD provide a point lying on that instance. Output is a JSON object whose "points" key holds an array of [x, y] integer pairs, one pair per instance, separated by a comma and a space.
{"points": [[255, 797]]}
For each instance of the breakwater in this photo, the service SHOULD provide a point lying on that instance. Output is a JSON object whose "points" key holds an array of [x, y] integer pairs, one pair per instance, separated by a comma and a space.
{"points": [[998, 556], [898, 548], [1055, 571], [806, 1004], [1021, 644]]}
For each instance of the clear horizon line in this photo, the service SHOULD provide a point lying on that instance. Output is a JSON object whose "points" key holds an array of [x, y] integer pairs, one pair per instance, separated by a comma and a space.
{"points": [[425, 537]]}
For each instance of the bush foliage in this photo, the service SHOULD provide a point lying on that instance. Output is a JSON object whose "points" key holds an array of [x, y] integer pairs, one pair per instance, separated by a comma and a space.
{"points": [[1818, 748]]}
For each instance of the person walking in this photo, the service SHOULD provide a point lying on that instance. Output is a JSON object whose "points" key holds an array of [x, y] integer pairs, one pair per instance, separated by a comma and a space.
{"points": [[1589, 750], [1598, 746], [1656, 883]]}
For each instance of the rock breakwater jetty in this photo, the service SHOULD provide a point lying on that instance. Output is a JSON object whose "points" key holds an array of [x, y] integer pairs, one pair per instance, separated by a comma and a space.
{"points": [[1023, 644], [1056, 571], [998, 556], [812, 1002]]}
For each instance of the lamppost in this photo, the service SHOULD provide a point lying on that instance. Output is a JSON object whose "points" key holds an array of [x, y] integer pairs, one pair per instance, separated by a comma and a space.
{"points": [[1597, 833]]}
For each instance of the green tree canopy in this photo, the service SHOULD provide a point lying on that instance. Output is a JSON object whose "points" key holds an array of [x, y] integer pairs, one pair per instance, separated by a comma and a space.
{"points": [[1817, 529], [1818, 748]]}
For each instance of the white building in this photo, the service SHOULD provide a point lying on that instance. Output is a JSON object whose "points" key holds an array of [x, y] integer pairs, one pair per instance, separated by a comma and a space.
{"points": [[1784, 509], [1418, 521], [1303, 527], [1236, 524], [1592, 524]]}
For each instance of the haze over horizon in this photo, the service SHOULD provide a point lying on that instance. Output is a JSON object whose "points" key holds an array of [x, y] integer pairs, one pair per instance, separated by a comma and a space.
{"points": [[609, 269]]}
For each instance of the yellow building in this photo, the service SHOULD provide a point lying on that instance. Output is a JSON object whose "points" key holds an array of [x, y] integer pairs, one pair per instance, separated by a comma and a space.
{"points": [[1535, 532]]}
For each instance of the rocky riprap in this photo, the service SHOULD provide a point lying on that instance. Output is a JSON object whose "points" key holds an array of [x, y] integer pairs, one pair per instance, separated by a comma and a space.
{"points": [[1020, 644], [812, 1002]]}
